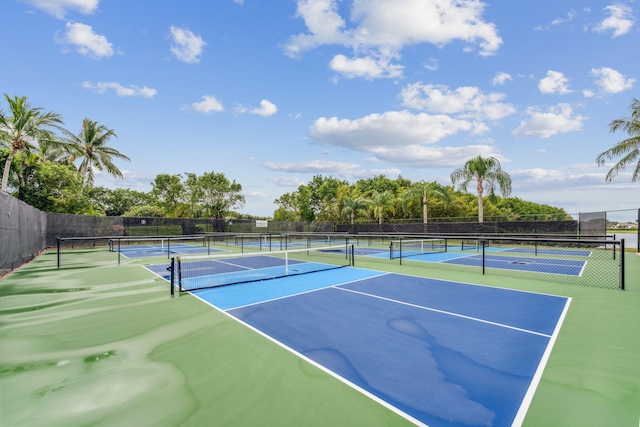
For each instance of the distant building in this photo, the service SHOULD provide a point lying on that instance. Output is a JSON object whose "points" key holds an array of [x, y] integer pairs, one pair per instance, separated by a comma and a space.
{"points": [[624, 225]]}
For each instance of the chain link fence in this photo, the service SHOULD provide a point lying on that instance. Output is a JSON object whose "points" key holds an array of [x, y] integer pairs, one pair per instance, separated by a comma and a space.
{"points": [[26, 231], [594, 263]]}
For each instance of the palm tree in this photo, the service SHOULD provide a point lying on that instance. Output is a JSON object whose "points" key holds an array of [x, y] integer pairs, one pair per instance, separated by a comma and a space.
{"points": [[57, 151], [355, 206], [488, 174], [629, 147], [90, 145], [23, 128], [381, 203], [426, 190]]}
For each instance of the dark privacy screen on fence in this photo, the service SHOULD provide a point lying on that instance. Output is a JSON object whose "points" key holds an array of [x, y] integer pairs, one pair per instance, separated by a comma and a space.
{"points": [[22, 232], [593, 223]]}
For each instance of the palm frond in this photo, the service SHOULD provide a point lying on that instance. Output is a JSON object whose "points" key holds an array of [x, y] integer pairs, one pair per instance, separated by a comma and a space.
{"points": [[628, 148]]}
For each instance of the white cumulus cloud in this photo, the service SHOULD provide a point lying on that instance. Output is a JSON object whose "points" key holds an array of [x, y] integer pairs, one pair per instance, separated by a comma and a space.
{"points": [[378, 30], [611, 81], [207, 105], [187, 47], [267, 108], [554, 82], [393, 128], [400, 137], [59, 8], [103, 87], [368, 67], [501, 78], [86, 42], [620, 20], [555, 120], [466, 102]]}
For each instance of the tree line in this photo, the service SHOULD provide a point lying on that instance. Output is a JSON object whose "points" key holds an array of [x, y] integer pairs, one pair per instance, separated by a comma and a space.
{"points": [[53, 169], [383, 199]]}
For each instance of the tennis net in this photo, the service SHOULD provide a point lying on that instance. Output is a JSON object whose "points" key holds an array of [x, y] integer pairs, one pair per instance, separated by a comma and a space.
{"points": [[210, 271], [403, 248], [156, 244]]}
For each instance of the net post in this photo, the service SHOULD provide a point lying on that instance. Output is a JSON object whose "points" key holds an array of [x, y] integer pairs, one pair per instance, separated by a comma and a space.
{"points": [[353, 256], [119, 251], [286, 263], [400, 244], [346, 250], [58, 252], [482, 257], [172, 275], [179, 276], [622, 264]]}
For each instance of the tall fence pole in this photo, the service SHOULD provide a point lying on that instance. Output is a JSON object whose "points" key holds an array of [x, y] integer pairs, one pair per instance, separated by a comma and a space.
{"points": [[172, 274], [622, 264], [483, 244]]}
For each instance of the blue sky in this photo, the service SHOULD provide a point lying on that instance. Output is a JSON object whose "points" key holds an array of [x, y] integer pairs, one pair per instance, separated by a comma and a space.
{"points": [[273, 92]]}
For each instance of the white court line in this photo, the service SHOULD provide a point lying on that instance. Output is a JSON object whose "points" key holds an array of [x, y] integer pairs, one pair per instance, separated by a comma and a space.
{"points": [[533, 385], [305, 292], [476, 319], [584, 266]]}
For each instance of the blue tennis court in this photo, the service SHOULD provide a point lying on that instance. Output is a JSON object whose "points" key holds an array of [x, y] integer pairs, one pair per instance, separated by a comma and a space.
{"points": [[530, 250], [538, 265], [569, 267], [142, 251], [548, 251], [437, 352]]}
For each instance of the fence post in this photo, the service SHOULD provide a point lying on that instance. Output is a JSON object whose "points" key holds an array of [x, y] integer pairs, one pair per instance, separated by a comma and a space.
{"points": [[622, 264], [483, 243], [172, 275]]}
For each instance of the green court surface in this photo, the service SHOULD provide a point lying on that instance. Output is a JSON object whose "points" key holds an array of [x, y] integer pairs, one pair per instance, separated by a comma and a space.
{"points": [[98, 343]]}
